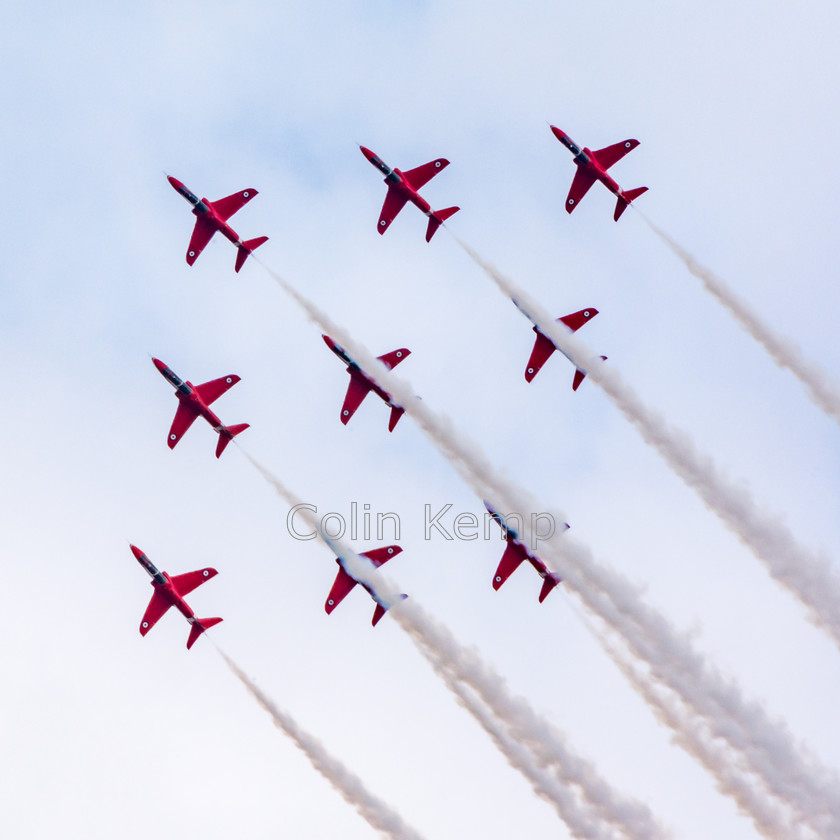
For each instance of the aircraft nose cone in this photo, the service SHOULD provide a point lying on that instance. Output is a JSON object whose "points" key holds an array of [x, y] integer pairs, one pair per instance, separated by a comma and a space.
{"points": [[159, 364], [367, 153], [136, 552], [560, 135], [176, 184]]}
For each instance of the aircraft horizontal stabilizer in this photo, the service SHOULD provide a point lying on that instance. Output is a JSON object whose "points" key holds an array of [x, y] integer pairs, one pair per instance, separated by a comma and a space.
{"points": [[228, 434], [436, 220], [198, 627], [380, 611], [246, 248], [624, 200]]}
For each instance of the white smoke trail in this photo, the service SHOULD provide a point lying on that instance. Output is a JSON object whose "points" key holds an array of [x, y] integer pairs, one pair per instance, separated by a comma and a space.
{"points": [[545, 785], [824, 392], [546, 745], [375, 812], [789, 771], [809, 577], [451, 660], [751, 796]]}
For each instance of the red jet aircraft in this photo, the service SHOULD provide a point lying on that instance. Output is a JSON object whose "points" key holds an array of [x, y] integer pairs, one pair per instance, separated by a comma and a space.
{"points": [[592, 167], [212, 218], [170, 592], [345, 581], [360, 385], [403, 186], [514, 554], [544, 346], [194, 401]]}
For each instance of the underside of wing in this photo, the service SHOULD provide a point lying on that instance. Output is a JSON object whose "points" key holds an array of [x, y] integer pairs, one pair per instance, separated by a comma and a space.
{"points": [[421, 175], [357, 390], [394, 202], [380, 556], [201, 235], [543, 348], [509, 563], [613, 154], [343, 584], [227, 206], [157, 607], [184, 418], [575, 320], [581, 183], [211, 391], [185, 583], [392, 359]]}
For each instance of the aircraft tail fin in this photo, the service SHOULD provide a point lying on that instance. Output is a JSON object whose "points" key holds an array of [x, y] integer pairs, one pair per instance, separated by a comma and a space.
{"points": [[437, 219], [580, 375], [198, 627], [624, 200], [227, 434], [550, 581], [380, 611], [246, 248], [396, 412]]}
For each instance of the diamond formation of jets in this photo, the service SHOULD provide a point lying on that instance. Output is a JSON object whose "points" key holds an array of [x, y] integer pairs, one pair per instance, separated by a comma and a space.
{"points": [[361, 385], [515, 553], [403, 187], [345, 582], [593, 166], [194, 401], [170, 592], [212, 218]]}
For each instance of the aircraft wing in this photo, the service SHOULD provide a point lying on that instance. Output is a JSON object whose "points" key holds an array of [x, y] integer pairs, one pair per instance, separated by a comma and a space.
{"points": [[380, 556], [421, 175], [575, 320], [343, 584], [394, 202], [357, 390], [392, 359], [581, 183], [184, 418], [227, 206], [157, 607], [543, 348], [513, 556], [184, 584], [201, 235], [211, 391], [613, 154]]}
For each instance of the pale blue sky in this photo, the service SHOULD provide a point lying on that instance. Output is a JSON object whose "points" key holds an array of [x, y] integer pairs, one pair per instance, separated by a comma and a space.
{"points": [[106, 732]]}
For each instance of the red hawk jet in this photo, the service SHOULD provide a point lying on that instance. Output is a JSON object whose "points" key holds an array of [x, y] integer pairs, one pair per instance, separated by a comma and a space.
{"points": [[170, 592], [345, 581], [360, 385], [544, 346], [194, 401], [212, 218], [515, 553], [592, 167], [403, 186]]}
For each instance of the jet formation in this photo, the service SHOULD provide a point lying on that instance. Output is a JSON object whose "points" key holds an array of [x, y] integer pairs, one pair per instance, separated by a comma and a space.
{"points": [[195, 400]]}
